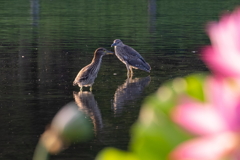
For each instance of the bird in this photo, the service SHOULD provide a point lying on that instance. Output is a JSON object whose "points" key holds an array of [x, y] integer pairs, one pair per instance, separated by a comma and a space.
{"points": [[130, 57], [87, 75]]}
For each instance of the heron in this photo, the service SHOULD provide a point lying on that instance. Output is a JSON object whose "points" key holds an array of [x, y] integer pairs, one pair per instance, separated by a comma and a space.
{"points": [[130, 57], [87, 75]]}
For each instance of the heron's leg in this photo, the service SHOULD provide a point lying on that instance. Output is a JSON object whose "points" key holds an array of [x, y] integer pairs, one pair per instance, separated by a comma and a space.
{"points": [[90, 89], [129, 79], [128, 71], [131, 72], [81, 87], [128, 74]]}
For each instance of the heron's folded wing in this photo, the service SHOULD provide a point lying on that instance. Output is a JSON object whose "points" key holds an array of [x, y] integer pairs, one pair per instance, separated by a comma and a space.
{"points": [[82, 75], [132, 52], [140, 63]]}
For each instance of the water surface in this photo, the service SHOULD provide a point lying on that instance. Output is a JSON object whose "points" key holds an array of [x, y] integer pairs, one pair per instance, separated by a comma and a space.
{"points": [[43, 45]]}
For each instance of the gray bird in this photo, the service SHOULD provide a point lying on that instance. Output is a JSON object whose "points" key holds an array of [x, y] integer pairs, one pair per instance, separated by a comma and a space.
{"points": [[130, 57], [87, 75]]}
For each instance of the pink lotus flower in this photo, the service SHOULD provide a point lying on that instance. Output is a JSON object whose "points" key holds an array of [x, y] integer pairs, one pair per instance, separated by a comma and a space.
{"points": [[216, 122], [223, 56]]}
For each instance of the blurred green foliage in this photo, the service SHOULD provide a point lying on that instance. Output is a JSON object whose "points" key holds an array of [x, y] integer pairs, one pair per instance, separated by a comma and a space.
{"points": [[68, 125], [112, 153]]}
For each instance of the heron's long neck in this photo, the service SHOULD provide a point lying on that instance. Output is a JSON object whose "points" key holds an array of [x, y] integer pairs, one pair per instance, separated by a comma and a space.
{"points": [[97, 59]]}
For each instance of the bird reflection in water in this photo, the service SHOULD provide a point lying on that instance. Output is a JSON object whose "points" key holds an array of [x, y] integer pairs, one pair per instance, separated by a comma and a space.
{"points": [[87, 103], [129, 91]]}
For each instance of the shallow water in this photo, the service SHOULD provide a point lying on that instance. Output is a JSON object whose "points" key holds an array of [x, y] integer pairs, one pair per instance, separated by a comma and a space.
{"points": [[43, 45]]}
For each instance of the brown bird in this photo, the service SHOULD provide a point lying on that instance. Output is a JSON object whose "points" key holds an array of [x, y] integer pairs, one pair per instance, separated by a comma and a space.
{"points": [[87, 74], [130, 57]]}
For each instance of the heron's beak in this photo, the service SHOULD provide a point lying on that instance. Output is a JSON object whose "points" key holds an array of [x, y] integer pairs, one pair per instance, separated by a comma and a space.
{"points": [[109, 52], [114, 44]]}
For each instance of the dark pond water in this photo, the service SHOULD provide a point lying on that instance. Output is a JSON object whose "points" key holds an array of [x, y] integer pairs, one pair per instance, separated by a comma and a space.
{"points": [[43, 45]]}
